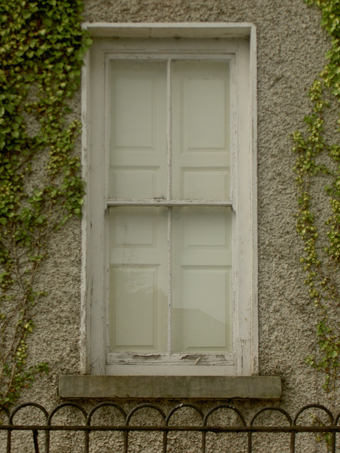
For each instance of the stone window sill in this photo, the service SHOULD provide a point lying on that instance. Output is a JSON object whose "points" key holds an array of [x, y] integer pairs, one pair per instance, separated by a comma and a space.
{"points": [[198, 387]]}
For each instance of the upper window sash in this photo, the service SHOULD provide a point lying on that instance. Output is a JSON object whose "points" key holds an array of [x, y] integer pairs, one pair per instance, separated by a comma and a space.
{"points": [[169, 59]]}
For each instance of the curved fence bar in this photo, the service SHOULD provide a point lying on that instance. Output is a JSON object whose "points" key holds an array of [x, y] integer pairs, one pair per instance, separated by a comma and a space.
{"points": [[4, 409], [94, 410], [54, 412], [273, 409], [223, 406], [105, 404], [163, 426], [144, 406], [136, 409], [314, 406], [216, 409], [66, 404], [178, 408], [330, 416], [182, 406], [17, 410]]}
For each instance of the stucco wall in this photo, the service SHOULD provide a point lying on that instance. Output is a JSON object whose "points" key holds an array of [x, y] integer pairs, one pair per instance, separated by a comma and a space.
{"points": [[291, 49]]}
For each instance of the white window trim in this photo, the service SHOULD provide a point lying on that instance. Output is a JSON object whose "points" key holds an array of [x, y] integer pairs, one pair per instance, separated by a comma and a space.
{"points": [[93, 353]]}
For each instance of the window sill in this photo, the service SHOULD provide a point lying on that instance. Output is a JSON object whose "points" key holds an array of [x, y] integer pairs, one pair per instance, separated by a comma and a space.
{"points": [[202, 387]]}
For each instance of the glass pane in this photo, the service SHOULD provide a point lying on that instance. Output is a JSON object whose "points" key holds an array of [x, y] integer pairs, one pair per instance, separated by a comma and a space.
{"points": [[200, 130], [201, 269], [138, 279], [138, 129]]}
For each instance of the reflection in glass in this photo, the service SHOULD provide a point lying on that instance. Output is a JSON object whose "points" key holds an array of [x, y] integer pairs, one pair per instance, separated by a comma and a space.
{"points": [[138, 279], [201, 270]]}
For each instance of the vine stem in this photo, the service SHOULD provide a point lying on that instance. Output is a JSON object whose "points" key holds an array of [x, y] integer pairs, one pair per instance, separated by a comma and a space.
{"points": [[27, 203]]}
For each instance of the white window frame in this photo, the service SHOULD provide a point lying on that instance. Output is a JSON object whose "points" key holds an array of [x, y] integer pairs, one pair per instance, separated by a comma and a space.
{"points": [[199, 40]]}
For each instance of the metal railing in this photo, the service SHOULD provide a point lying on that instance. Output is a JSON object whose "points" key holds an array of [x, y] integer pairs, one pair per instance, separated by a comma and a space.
{"points": [[166, 426]]}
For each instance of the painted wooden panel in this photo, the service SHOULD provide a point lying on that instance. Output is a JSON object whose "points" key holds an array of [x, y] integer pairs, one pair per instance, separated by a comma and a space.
{"points": [[205, 183], [138, 279], [204, 112], [200, 134], [133, 182], [133, 113], [200, 321], [138, 129], [133, 308], [133, 228], [201, 271]]}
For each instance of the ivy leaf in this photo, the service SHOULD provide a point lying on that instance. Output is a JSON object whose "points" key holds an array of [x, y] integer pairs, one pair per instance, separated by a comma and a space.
{"points": [[26, 14]]}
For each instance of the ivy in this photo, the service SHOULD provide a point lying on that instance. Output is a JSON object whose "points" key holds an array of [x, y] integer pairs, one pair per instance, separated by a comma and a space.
{"points": [[318, 159], [42, 46]]}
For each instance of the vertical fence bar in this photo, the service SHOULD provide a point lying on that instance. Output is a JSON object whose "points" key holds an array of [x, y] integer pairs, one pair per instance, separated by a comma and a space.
{"points": [[165, 441], [203, 441], [292, 442], [47, 441], [334, 442], [35, 440], [126, 441], [87, 441], [249, 442], [9, 439]]}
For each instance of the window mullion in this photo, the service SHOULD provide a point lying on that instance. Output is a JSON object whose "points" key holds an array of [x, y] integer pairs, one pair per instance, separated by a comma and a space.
{"points": [[170, 279], [169, 126], [169, 197]]}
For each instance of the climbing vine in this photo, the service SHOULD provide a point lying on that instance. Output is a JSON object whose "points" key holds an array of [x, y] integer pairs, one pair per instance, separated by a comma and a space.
{"points": [[318, 162], [41, 49]]}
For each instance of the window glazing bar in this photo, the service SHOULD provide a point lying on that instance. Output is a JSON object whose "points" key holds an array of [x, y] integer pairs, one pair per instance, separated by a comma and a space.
{"points": [[169, 197], [161, 202]]}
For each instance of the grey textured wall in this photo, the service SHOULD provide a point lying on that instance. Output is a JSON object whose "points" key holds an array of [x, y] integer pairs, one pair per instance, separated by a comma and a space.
{"points": [[291, 49]]}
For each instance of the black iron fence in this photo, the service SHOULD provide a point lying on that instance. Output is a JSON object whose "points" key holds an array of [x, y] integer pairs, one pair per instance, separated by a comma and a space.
{"points": [[325, 425]]}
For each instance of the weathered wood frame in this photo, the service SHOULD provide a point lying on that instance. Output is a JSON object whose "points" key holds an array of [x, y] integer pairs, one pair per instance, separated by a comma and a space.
{"points": [[95, 359]]}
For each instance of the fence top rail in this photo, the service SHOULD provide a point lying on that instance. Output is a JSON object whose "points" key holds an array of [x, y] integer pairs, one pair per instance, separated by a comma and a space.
{"points": [[166, 423], [163, 428]]}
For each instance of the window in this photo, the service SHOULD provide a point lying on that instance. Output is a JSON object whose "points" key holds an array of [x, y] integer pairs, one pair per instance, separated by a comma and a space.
{"points": [[170, 219]]}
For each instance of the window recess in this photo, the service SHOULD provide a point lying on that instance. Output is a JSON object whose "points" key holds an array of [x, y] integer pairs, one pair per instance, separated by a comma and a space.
{"points": [[171, 192]]}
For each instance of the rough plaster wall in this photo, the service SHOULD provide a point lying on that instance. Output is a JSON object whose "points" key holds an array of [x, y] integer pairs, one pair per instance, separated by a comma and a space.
{"points": [[291, 49]]}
